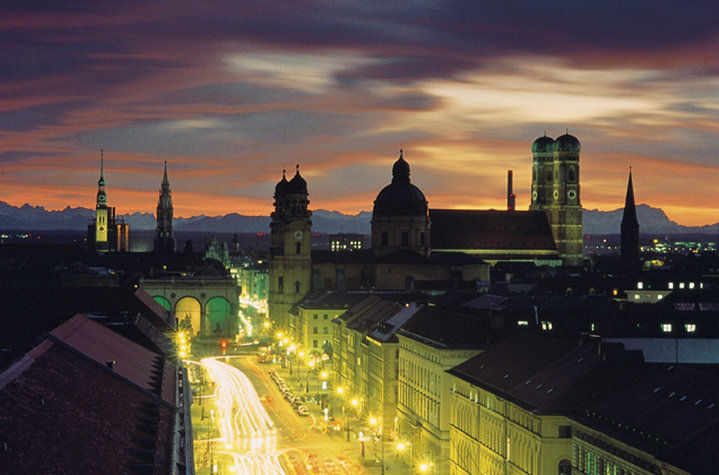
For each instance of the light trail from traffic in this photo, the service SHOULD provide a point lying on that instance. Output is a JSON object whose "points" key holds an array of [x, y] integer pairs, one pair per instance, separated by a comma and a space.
{"points": [[247, 433]]}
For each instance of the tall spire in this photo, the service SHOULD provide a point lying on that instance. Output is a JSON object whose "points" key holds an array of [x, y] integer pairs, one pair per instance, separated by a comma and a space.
{"points": [[101, 195], [630, 227], [101, 181], [630, 210], [164, 239]]}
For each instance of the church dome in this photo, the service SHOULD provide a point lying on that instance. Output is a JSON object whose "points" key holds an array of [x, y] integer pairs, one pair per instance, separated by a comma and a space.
{"points": [[297, 185], [281, 187], [567, 143], [543, 145], [400, 198]]}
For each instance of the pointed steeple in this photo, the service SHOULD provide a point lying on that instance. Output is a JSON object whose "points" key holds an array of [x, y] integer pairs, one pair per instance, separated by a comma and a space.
{"points": [[630, 210], [164, 239], [102, 168], [630, 227], [101, 195]]}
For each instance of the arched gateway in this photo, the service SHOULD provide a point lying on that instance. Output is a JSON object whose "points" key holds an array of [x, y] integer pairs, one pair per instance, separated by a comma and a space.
{"points": [[205, 306]]}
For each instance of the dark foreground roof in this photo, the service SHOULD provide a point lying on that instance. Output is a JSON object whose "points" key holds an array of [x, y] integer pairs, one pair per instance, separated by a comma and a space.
{"points": [[64, 410], [490, 230], [671, 412]]}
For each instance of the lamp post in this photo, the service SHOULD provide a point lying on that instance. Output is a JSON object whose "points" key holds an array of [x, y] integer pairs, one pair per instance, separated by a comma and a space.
{"points": [[340, 390], [354, 403], [377, 426]]}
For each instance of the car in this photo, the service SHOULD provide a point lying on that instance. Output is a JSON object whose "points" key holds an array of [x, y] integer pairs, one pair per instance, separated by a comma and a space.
{"points": [[303, 411], [297, 402]]}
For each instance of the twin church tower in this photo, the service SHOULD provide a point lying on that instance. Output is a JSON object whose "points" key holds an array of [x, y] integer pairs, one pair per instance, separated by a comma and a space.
{"points": [[107, 233]]}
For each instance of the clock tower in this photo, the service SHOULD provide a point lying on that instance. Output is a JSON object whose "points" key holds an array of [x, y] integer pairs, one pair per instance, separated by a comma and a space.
{"points": [[102, 212], [290, 242]]}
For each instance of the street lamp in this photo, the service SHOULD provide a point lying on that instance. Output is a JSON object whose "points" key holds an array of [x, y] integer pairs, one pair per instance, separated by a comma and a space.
{"points": [[354, 403], [378, 424]]}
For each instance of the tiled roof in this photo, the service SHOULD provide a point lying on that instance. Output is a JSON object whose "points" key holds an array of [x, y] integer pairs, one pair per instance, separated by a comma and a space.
{"points": [[132, 361], [443, 328], [62, 412], [490, 230]]}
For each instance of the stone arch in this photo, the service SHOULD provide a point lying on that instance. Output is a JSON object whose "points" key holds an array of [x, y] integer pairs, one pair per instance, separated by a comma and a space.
{"points": [[163, 301], [188, 312], [219, 313]]}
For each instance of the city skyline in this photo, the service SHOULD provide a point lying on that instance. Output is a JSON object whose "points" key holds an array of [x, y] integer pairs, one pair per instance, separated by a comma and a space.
{"points": [[231, 94]]}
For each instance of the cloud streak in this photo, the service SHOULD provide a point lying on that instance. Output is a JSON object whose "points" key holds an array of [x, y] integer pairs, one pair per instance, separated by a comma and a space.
{"points": [[230, 93]]}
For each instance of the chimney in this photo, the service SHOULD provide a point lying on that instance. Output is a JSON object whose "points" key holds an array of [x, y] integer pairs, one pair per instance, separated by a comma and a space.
{"points": [[511, 197]]}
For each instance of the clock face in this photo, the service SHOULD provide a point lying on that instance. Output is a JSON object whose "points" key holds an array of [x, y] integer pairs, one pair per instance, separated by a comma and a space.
{"points": [[101, 198], [556, 194], [102, 228], [571, 194], [298, 235]]}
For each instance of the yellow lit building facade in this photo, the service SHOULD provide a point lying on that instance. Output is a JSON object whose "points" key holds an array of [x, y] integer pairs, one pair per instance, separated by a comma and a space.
{"points": [[537, 405], [424, 396]]}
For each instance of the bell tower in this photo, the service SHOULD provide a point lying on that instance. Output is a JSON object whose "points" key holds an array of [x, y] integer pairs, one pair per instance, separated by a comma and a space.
{"points": [[555, 190], [164, 239], [102, 212], [290, 243]]}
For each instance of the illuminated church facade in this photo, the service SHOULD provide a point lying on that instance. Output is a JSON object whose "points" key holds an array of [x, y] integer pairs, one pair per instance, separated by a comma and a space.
{"points": [[414, 247]]}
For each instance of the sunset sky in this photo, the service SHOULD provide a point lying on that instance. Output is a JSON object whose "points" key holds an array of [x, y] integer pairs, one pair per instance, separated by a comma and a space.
{"points": [[230, 92]]}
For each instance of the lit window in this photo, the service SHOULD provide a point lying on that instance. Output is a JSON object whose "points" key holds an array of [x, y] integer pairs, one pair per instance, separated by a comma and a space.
{"points": [[593, 327], [681, 285], [522, 323], [666, 327], [690, 327], [691, 285], [670, 285], [660, 296], [640, 285], [636, 296]]}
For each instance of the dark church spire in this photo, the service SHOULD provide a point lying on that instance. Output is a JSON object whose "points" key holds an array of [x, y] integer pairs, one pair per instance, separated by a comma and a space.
{"points": [[630, 227], [164, 238]]}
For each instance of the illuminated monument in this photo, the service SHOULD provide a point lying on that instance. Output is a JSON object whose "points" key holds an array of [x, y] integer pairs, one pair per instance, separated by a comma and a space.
{"points": [[164, 239], [290, 260], [105, 233], [555, 190]]}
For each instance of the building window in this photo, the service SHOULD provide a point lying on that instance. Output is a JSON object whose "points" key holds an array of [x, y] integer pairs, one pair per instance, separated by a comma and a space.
{"points": [[667, 327], [421, 240], [640, 285], [385, 240], [325, 317], [314, 317], [280, 284], [549, 175], [565, 467], [298, 248], [670, 285], [572, 174], [690, 327], [565, 432], [314, 343], [314, 331], [297, 286], [405, 239]]}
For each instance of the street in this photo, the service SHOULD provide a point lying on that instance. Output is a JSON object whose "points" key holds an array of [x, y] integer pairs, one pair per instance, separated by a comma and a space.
{"points": [[243, 425]]}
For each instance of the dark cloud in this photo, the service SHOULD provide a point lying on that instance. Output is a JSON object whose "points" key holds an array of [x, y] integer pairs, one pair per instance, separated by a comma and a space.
{"points": [[28, 118]]}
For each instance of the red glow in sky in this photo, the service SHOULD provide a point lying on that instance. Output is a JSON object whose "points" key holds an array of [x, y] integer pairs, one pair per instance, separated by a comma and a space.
{"points": [[230, 93]]}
